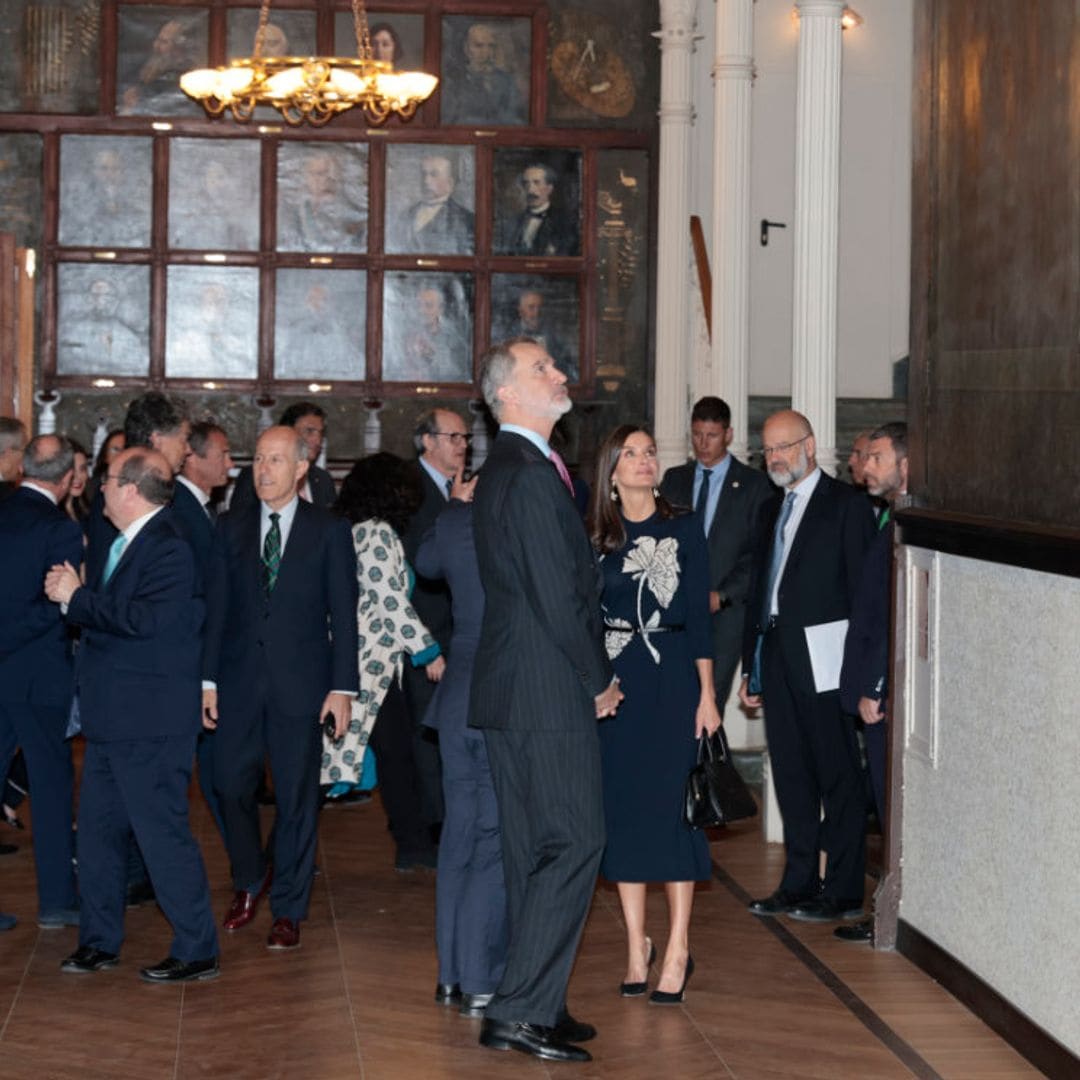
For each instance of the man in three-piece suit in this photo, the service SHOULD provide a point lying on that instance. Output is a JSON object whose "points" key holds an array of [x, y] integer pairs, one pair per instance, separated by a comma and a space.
{"points": [[544, 681], [864, 676], [308, 420], [733, 502], [36, 664], [438, 224], [470, 890], [205, 469], [137, 696], [279, 658], [543, 227], [805, 583]]}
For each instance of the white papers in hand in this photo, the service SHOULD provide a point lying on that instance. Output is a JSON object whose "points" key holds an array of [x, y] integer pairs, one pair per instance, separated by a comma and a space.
{"points": [[825, 643]]}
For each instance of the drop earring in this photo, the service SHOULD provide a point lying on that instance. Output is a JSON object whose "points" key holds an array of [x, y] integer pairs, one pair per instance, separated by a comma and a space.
{"points": [[614, 494]]}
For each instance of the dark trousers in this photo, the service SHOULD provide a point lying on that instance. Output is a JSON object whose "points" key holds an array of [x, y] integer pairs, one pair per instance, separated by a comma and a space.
{"points": [[814, 757], [141, 785], [876, 737], [552, 817], [245, 737], [39, 730], [470, 890], [419, 690], [392, 740], [204, 755]]}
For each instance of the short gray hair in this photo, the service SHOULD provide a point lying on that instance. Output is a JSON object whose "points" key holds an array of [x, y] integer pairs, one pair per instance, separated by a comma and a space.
{"points": [[49, 458], [496, 367], [12, 433]]}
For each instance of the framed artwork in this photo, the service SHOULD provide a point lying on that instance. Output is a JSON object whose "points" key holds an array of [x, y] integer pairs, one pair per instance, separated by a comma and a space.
{"points": [[52, 52], [105, 191], [537, 201], [213, 194], [155, 46], [20, 187], [427, 328], [212, 322], [320, 324], [288, 33], [603, 71], [546, 308], [102, 319], [322, 199], [430, 200], [398, 39], [485, 70]]}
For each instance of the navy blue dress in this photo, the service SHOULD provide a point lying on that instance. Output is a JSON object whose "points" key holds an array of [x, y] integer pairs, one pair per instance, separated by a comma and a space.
{"points": [[656, 617]]}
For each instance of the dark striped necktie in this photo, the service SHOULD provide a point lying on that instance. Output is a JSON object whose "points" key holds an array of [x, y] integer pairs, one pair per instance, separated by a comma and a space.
{"points": [[271, 554]]}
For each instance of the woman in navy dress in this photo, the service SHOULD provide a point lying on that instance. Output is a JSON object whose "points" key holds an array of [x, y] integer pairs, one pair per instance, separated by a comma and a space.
{"points": [[656, 617]]}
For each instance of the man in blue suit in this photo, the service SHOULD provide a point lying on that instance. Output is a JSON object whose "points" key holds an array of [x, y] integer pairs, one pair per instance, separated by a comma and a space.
{"points": [[137, 695], [280, 657], [35, 664]]}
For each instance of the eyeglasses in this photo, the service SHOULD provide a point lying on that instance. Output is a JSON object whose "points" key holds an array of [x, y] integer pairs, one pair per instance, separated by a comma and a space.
{"points": [[456, 437], [784, 447]]}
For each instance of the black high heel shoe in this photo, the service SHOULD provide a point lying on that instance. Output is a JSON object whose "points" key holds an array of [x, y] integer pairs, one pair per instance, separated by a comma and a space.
{"points": [[665, 997], [637, 989]]}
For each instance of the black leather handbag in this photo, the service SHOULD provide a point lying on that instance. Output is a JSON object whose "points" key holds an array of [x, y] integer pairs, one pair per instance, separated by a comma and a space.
{"points": [[715, 793]]}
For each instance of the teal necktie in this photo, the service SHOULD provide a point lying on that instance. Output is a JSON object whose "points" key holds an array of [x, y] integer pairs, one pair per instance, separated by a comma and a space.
{"points": [[271, 554], [116, 550]]}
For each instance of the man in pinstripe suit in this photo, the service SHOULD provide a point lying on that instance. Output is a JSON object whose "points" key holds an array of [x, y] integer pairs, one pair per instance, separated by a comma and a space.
{"points": [[542, 682]]}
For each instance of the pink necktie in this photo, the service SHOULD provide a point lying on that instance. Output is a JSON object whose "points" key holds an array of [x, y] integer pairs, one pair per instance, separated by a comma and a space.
{"points": [[561, 469]]}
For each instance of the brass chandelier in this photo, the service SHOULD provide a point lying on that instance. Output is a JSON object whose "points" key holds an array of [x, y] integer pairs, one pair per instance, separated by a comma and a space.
{"points": [[310, 89]]}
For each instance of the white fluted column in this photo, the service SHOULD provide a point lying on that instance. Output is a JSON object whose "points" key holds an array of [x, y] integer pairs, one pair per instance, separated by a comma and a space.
{"points": [[676, 34], [817, 215], [733, 74]]}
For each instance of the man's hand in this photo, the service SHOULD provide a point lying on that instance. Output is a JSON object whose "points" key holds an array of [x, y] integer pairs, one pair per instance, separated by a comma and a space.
{"points": [[716, 602], [749, 701], [435, 670], [209, 709], [870, 710], [608, 701], [61, 582], [339, 706], [463, 489]]}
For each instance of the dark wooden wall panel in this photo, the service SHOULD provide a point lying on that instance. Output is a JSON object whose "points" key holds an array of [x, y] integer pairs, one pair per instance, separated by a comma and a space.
{"points": [[996, 260]]}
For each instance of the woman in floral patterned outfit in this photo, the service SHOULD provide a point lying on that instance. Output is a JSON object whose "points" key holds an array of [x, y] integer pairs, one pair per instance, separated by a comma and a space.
{"points": [[656, 615], [378, 497]]}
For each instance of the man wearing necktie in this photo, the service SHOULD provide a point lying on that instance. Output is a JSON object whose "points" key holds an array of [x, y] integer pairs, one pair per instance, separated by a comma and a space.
{"points": [[543, 682], [137, 690], [734, 504], [804, 587], [864, 676], [544, 227], [279, 660]]}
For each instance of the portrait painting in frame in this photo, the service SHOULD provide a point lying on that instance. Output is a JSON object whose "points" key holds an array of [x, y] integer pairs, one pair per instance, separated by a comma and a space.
{"points": [[427, 327], [319, 324], [485, 70], [102, 319], [430, 200], [155, 46], [105, 191], [546, 308], [212, 322], [396, 38], [537, 200], [322, 199], [211, 203]]}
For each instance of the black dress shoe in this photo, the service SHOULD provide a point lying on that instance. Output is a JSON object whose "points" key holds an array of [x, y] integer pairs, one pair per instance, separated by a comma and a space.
{"points": [[567, 1029], [863, 930], [827, 909], [171, 970], [139, 893], [475, 1005], [447, 994], [779, 903], [666, 997], [637, 989], [529, 1039], [8, 849], [86, 959]]}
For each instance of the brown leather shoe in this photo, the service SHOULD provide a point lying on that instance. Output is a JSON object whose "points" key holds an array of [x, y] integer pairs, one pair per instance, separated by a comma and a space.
{"points": [[244, 905], [284, 934]]}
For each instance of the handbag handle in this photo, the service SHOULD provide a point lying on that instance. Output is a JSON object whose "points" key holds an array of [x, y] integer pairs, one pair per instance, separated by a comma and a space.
{"points": [[714, 746]]}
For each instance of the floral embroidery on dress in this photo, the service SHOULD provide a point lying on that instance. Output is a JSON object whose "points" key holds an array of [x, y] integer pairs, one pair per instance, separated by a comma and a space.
{"points": [[653, 564]]}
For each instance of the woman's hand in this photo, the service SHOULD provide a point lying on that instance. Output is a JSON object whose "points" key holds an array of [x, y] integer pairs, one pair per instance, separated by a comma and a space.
{"points": [[708, 717], [435, 669]]}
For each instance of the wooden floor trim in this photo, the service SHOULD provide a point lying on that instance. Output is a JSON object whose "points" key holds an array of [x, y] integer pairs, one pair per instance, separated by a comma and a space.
{"points": [[1000, 1015], [898, 1046]]}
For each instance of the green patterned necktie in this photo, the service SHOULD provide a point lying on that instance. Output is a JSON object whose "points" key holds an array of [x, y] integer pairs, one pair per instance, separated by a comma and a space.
{"points": [[271, 554]]}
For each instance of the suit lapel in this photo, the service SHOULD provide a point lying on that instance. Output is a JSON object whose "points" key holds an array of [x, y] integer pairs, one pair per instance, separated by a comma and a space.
{"points": [[297, 548], [819, 500]]}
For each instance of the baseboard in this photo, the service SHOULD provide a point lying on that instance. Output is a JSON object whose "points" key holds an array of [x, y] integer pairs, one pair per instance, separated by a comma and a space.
{"points": [[1020, 1032]]}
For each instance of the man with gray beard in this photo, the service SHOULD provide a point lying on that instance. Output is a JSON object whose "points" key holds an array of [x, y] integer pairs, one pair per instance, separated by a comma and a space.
{"points": [[796, 619]]}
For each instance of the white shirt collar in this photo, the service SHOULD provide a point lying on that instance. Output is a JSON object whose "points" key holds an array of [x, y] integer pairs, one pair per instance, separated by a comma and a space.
{"points": [[41, 491], [194, 489]]}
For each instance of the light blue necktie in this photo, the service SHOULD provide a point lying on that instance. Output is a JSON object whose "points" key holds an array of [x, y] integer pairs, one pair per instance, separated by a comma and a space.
{"points": [[777, 553], [115, 551]]}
